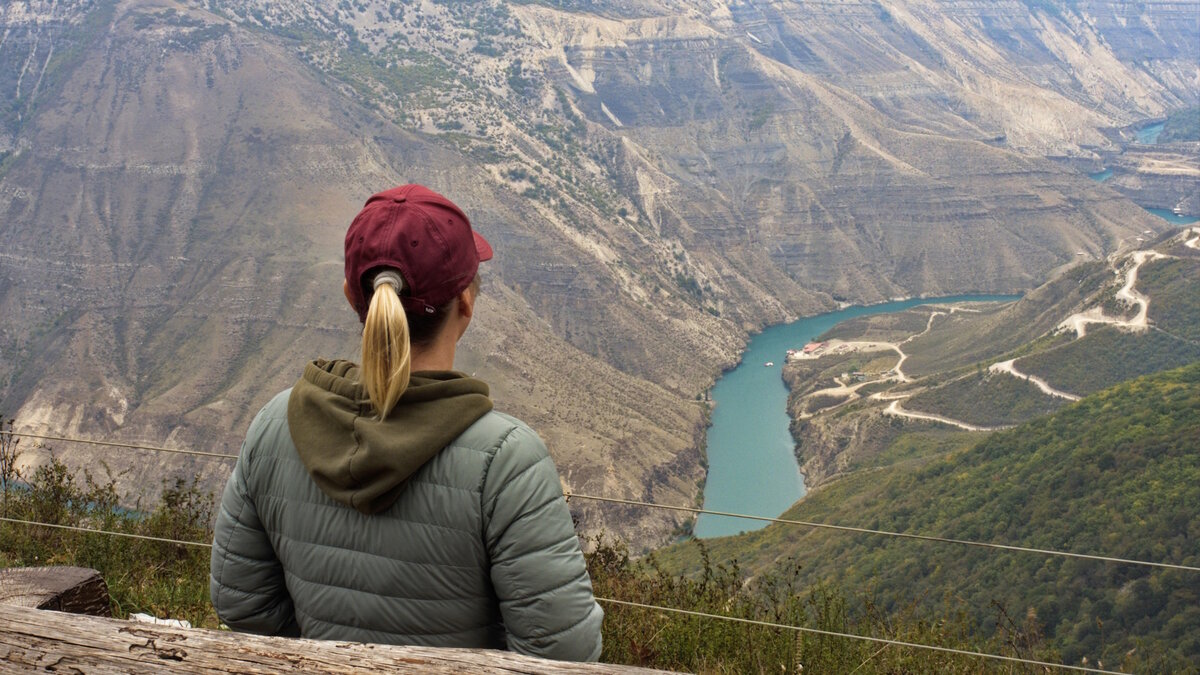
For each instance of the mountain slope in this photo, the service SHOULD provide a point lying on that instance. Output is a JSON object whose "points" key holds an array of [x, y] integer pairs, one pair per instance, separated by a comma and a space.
{"points": [[984, 368], [1115, 474], [658, 180], [173, 257]]}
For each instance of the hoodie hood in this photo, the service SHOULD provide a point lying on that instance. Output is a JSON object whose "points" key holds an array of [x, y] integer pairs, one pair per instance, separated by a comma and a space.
{"points": [[361, 460]]}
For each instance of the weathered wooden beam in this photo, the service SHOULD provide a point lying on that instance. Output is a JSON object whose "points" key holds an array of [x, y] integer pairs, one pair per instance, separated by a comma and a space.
{"points": [[77, 590], [39, 640]]}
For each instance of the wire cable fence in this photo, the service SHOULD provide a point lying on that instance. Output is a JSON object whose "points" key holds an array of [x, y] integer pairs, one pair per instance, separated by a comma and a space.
{"points": [[866, 638], [660, 608], [699, 511], [128, 535], [112, 444], [694, 510], [902, 535]]}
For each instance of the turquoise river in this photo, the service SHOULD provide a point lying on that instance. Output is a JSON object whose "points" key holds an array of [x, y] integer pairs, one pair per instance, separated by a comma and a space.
{"points": [[752, 466]]}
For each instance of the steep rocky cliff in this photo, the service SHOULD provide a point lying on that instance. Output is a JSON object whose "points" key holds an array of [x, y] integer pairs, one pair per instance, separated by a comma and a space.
{"points": [[1165, 176], [657, 179]]}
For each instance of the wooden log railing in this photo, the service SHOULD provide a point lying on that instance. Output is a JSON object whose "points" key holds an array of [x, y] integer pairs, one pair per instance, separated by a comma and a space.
{"points": [[44, 640], [77, 590]]}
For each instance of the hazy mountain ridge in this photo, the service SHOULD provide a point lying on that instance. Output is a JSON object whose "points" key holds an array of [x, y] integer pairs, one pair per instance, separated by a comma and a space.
{"points": [[657, 178]]}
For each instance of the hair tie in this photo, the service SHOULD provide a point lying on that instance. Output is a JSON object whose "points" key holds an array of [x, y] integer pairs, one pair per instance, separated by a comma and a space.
{"points": [[391, 278]]}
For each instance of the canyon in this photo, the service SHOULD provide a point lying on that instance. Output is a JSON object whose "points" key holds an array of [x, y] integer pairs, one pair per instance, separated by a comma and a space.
{"points": [[659, 180]]}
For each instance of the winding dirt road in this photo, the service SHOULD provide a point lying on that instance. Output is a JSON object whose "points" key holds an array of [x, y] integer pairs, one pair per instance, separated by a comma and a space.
{"points": [[895, 409], [851, 391], [1079, 322], [1008, 367], [1076, 322]]}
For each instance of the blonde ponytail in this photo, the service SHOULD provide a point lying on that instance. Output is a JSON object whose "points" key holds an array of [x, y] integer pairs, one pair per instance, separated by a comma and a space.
{"points": [[386, 352]]}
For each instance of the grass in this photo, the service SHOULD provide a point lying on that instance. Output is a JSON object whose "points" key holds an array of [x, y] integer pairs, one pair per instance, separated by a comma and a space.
{"points": [[966, 338], [822, 401], [162, 579], [891, 327], [985, 399], [1175, 304], [1107, 356], [662, 639]]}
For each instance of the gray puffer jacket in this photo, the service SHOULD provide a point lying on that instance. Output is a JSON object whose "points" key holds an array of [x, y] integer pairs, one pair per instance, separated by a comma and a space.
{"points": [[469, 544]]}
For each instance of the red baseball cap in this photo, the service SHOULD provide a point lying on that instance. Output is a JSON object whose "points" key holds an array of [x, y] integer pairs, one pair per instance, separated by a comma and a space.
{"points": [[422, 234]]}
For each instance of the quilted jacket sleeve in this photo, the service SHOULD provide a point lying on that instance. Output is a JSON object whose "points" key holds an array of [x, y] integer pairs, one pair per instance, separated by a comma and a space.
{"points": [[538, 570], [246, 580]]}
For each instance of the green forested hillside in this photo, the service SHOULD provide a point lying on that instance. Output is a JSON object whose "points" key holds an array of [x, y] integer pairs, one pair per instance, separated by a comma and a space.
{"points": [[1116, 474], [1107, 356], [966, 338], [1172, 284], [985, 399]]}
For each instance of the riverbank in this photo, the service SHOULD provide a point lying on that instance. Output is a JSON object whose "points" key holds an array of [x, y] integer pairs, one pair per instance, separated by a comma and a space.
{"points": [[752, 467]]}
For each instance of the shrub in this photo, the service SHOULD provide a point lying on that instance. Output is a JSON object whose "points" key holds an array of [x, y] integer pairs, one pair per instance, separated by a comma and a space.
{"points": [[654, 638], [157, 577]]}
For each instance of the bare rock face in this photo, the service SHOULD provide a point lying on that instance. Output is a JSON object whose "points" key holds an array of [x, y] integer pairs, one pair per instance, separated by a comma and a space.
{"points": [[175, 209], [1159, 176], [658, 178]]}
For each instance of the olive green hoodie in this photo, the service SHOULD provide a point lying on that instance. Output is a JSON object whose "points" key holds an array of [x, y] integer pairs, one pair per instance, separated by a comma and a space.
{"points": [[361, 460]]}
